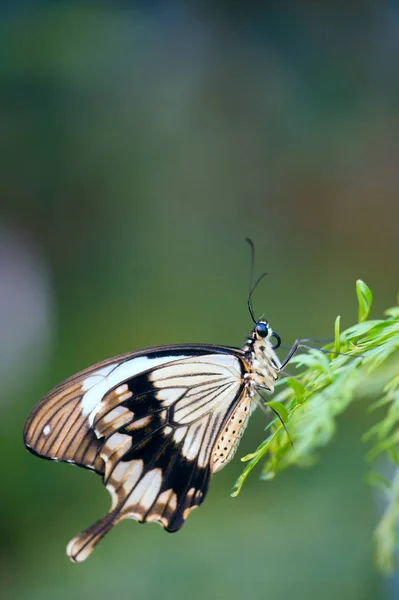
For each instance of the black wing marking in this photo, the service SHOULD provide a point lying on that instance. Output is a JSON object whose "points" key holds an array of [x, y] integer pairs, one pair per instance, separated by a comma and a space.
{"points": [[157, 431]]}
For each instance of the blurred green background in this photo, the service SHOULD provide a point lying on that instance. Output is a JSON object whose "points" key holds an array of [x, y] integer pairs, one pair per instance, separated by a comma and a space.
{"points": [[140, 143]]}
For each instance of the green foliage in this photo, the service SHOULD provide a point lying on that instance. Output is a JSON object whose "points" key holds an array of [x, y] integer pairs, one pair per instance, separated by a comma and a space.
{"points": [[324, 387]]}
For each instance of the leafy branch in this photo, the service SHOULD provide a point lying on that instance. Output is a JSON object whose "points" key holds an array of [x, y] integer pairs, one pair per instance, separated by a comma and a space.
{"points": [[324, 387]]}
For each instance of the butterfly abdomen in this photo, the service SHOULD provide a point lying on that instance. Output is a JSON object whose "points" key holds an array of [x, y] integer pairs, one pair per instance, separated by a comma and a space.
{"points": [[262, 367], [227, 443]]}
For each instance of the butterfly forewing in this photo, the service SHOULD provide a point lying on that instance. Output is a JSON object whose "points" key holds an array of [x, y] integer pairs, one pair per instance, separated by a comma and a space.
{"points": [[60, 426], [148, 424]]}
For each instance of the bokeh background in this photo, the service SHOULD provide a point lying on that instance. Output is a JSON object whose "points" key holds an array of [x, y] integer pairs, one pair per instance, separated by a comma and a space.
{"points": [[141, 142]]}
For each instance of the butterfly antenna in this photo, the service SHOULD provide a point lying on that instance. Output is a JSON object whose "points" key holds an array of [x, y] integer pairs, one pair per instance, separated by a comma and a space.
{"points": [[253, 286], [251, 276]]}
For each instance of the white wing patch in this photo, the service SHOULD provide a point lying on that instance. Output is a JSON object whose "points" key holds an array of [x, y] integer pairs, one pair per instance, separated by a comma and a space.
{"points": [[199, 391], [197, 385], [146, 490], [100, 382]]}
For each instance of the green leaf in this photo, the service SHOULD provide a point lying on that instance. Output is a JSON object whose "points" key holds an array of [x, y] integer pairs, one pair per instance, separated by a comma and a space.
{"points": [[364, 298], [393, 454], [378, 480], [337, 343], [314, 359], [392, 312], [248, 457], [360, 329], [384, 331], [280, 409], [268, 475], [298, 388], [392, 385]]}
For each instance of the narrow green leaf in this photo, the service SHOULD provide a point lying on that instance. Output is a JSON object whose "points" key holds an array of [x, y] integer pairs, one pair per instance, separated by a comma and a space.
{"points": [[298, 388], [378, 480], [381, 333], [280, 409], [337, 343], [364, 298], [393, 454], [378, 403], [267, 476], [392, 385], [248, 457], [360, 329], [314, 359], [392, 312]]}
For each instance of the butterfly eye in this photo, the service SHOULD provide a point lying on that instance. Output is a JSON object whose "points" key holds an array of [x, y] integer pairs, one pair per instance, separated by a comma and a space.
{"points": [[262, 330]]}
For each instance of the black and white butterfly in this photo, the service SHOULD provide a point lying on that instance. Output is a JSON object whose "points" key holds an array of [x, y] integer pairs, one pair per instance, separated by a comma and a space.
{"points": [[155, 425]]}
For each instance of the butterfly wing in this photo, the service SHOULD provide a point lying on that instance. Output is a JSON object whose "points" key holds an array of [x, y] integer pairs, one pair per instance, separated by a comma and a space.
{"points": [[148, 425], [59, 427]]}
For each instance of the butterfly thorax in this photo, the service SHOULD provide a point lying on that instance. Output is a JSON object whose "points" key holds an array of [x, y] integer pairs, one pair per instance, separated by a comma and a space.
{"points": [[263, 363], [263, 367]]}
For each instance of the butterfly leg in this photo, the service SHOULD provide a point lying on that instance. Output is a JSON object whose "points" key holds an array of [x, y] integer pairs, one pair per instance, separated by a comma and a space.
{"points": [[290, 354]]}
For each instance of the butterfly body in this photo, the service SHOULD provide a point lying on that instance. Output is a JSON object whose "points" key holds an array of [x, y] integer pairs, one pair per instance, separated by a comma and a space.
{"points": [[262, 371], [155, 424]]}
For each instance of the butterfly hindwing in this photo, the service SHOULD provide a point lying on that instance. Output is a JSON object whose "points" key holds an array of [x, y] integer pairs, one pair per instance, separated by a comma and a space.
{"points": [[158, 441], [159, 429]]}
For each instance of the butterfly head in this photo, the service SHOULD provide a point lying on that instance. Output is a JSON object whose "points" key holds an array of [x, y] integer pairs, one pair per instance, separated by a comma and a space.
{"points": [[260, 353], [263, 331]]}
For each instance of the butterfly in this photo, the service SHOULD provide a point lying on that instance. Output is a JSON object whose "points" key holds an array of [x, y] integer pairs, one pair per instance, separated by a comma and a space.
{"points": [[155, 424]]}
